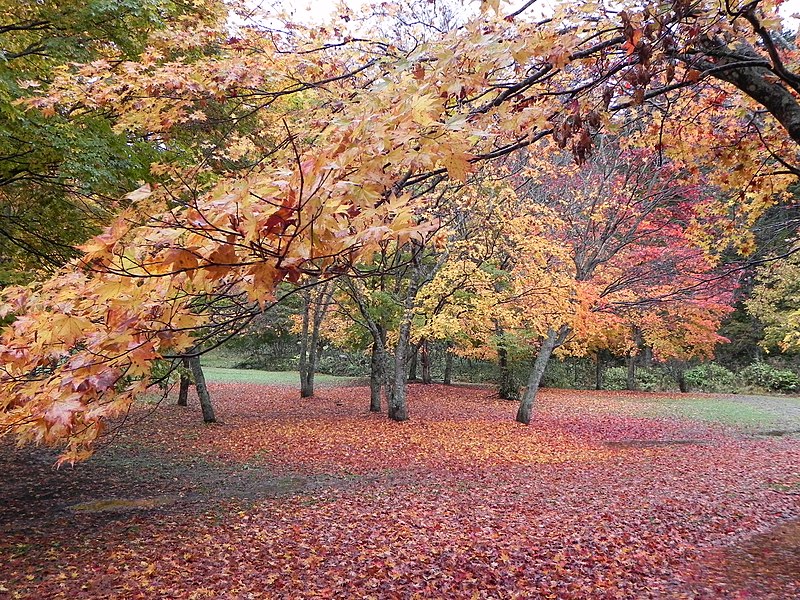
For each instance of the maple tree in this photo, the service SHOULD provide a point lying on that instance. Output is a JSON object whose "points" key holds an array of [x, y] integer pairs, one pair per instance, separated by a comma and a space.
{"points": [[502, 279], [62, 175], [774, 301], [383, 305], [621, 249], [312, 146]]}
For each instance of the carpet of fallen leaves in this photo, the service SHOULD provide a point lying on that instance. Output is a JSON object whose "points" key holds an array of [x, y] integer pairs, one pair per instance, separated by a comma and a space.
{"points": [[320, 499]]}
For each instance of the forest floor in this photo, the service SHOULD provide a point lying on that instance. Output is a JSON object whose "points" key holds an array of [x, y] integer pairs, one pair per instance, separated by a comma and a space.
{"points": [[604, 495]]}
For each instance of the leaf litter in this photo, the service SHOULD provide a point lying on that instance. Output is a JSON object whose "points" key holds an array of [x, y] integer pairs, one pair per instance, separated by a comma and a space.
{"points": [[318, 498]]}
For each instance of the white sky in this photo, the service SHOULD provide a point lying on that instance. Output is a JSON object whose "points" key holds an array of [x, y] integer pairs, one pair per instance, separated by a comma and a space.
{"points": [[319, 10]]}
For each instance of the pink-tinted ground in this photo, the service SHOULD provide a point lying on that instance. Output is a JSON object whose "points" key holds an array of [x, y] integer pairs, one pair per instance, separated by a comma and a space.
{"points": [[320, 499]]}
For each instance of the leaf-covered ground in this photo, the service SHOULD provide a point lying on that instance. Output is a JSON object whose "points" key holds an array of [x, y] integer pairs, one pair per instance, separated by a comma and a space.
{"points": [[606, 495]]}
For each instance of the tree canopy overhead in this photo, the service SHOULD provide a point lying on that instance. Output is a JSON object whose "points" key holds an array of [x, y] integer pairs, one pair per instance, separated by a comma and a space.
{"points": [[283, 151]]}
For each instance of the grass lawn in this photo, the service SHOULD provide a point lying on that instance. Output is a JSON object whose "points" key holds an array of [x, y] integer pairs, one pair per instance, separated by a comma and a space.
{"points": [[720, 410], [281, 378], [604, 495], [746, 412], [726, 411]]}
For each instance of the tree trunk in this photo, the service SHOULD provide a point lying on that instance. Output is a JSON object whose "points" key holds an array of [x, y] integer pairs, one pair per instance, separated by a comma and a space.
{"points": [[682, 385], [448, 364], [509, 389], [202, 390], [598, 370], [313, 316], [398, 408], [307, 384], [185, 382], [680, 376], [426, 362], [397, 400], [412, 368], [647, 357], [630, 380], [551, 342], [302, 365], [376, 367]]}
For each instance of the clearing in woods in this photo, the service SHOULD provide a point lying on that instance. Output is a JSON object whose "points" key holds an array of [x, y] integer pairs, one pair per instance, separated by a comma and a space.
{"points": [[606, 494]]}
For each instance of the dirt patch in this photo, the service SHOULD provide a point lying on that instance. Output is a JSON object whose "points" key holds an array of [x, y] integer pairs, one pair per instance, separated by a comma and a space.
{"points": [[126, 479], [780, 432], [122, 504]]}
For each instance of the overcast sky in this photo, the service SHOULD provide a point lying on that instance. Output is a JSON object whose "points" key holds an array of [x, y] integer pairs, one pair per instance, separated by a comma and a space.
{"points": [[319, 10]]}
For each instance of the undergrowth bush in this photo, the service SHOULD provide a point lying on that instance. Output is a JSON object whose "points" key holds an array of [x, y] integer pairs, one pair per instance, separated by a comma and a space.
{"points": [[344, 364], [766, 376], [569, 373], [711, 377], [648, 379]]}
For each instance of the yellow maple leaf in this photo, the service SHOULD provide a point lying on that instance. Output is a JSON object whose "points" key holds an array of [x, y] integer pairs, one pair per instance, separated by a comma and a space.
{"points": [[458, 165], [66, 328], [422, 108]]}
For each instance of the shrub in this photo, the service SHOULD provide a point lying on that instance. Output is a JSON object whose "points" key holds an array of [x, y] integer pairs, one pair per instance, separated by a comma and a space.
{"points": [[557, 375], [344, 364], [765, 376], [648, 379], [571, 372], [711, 377], [615, 378], [654, 379]]}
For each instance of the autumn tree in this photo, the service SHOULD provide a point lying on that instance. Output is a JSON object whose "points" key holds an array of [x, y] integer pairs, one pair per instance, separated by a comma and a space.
{"points": [[500, 280], [629, 225], [63, 172], [775, 301]]}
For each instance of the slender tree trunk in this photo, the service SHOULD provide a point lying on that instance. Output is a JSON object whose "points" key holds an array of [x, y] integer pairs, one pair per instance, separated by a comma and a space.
{"points": [[598, 370], [376, 368], [313, 316], [398, 408], [448, 364], [412, 368], [509, 390], [307, 384], [183, 385], [630, 380], [302, 365], [551, 342], [388, 376], [202, 390], [426, 362], [509, 387]]}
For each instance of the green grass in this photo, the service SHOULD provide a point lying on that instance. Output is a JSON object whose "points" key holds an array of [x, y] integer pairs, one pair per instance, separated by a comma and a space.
{"points": [[714, 410], [727, 412], [287, 378], [220, 359]]}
